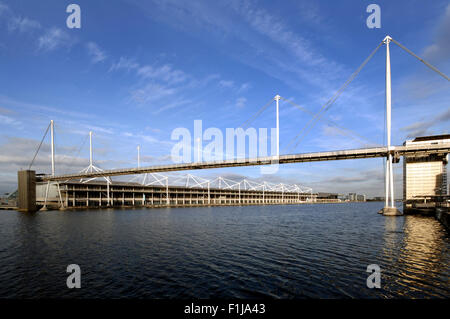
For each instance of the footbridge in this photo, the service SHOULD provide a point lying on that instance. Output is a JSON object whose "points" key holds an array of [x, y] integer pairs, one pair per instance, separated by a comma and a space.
{"points": [[396, 152], [418, 155]]}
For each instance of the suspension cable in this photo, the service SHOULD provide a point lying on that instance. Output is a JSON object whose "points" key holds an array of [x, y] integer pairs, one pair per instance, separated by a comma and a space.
{"points": [[247, 123], [421, 60], [78, 152], [39, 147], [346, 131], [330, 102]]}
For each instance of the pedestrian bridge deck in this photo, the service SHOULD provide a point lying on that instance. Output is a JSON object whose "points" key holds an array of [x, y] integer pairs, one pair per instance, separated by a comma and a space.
{"points": [[397, 151]]}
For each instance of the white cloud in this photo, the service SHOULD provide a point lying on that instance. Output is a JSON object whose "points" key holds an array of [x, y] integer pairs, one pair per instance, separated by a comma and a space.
{"points": [[146, 138], [244, 87], [310, 12], [3, 8], [16, 22], [17, 154], [229, 84], [294, 58], [7, 120], [266, 24], [53, 39], [153, 129], [171, 105], [164, 73], [96, 128], [440, 49], [151, 92], [124, 64], [328, 130], [159, 82], [97, 54], [22, 24], [39, 109], [226, 83], [5, 111], [240, 102], [422, 128]]}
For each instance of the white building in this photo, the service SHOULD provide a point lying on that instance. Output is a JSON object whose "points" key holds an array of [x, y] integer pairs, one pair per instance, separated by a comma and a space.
{"points": [[425, 175]]}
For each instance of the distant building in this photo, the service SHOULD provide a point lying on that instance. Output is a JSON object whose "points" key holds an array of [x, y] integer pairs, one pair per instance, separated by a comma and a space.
{"points": [[352, 197], [361, 198], [327, 196], [9, 199]]}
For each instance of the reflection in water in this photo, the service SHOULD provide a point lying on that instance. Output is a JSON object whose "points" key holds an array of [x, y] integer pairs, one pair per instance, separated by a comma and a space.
{"points": [[422, 259], [392, 236], [415, 257], [293, 251]]}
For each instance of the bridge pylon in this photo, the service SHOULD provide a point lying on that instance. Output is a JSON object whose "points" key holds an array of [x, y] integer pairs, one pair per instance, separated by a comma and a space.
{"points": [[91, 168], [389, 208]]}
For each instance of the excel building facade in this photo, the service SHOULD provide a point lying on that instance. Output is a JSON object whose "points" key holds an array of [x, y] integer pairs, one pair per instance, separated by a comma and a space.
{"points": [[425, 175]]}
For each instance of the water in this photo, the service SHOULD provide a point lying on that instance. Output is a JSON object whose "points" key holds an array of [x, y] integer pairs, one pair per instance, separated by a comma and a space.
{"points": [[292, 251]]}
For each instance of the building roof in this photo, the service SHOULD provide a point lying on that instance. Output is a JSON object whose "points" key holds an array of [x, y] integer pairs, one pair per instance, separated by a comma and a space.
{"points": [[432, 138], [321, 194]]}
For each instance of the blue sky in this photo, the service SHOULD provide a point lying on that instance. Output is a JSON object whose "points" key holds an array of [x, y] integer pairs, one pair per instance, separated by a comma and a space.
{"points": [[136, 70]]}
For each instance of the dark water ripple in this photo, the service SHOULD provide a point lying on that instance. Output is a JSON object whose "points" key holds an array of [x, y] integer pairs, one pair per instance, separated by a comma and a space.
{"points": [[308, 251]]}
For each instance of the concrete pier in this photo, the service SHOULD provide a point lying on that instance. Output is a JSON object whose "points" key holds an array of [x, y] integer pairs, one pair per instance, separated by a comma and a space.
{"points": [[390, 211], [443, 215], [27, 191]]}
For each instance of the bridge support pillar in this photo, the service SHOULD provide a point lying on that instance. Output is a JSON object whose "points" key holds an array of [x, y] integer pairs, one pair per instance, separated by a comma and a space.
{"points": [[390, 211], [389, 207], [26, 191]]}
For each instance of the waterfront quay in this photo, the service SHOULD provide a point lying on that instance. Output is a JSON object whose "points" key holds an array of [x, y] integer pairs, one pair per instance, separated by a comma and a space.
{"points": [[98, 194]]}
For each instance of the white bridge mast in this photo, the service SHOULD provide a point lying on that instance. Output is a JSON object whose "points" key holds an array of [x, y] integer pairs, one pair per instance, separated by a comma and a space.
{"points": [[389, 208], [92, 168], [277, 99]]}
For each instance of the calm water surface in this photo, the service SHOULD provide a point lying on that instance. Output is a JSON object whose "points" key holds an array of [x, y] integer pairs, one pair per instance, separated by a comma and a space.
{"points": [[292, 251]]}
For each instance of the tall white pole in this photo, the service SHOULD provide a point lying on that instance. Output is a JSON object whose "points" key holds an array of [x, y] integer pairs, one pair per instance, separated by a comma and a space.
{"points": [[386, 183], [389, 177], [198, 150], [264, 188], [107, 193], [139, 156], [167, 191], [209, 195], [239, 193], [90, 150], [277, 99], [388, 91], [52, 146]]}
